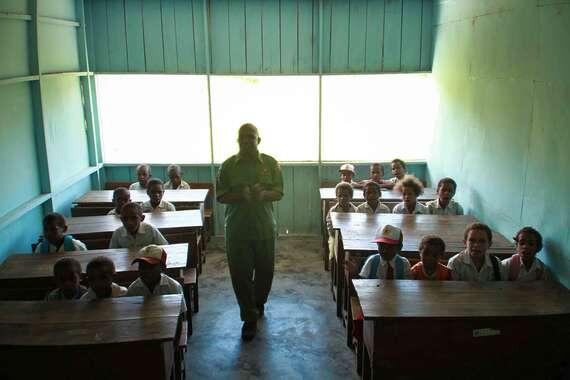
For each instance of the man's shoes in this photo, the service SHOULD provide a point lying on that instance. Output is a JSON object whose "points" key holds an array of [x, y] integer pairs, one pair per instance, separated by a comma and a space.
{"points": [[248, 330], [261, 310]]}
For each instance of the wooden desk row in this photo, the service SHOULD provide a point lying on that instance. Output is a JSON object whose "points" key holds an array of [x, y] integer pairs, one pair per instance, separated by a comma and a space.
{"points": [[117, 338], [388, 197], [419, 329]]}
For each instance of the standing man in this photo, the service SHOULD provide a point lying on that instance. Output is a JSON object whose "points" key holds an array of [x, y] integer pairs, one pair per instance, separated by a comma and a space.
{"points": [[248, 183]]}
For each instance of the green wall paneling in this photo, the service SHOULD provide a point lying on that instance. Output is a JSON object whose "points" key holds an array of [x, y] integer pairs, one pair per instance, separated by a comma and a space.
{"points": [[63, 201], [185, 43], [18, 147], [134, 36], [61, 9], [169, 36], [253, 36], [116, 27], [270, 35], [237, 35], [411, 35], [58, 48], [153, 44], [14, 41], [392, 35], [19, 236], [15, 6]]}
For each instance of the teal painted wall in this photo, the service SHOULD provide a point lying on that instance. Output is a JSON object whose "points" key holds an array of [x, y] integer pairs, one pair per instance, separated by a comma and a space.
{"points": [[256, 37], [503, 129]]}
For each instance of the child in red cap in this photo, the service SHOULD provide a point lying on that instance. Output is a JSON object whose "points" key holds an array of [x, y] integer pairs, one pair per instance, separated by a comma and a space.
{"points": [[387, 264]]}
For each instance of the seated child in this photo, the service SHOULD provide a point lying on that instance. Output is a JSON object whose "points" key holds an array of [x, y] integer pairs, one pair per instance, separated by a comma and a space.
{"points": [[344, 193], [176, 182], [411, 189], [155, 191], [135, 234], [444, 204], [55, 239], [474, 263], [376, 174], [387, 264], [143, 174], [67, 274], [152, 280], [121, 196], [432, 249], [372, 205], [100, 272], [347, 173], [524, 265], [398, 171]]}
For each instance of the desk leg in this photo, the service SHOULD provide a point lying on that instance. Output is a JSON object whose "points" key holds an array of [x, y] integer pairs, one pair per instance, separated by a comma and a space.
{"points": [[324, 235], [366, 364], [339, 260]]}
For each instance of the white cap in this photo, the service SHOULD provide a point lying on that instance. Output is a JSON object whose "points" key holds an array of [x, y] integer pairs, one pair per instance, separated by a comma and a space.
{"points": [[388, 234], [347, 167], [152, 254]]}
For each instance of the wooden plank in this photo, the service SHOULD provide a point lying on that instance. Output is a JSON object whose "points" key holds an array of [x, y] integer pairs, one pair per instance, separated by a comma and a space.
{"points": [[153, 44], [411, 35], [199, 14], [237, 27], [392, 36], [118, 40], [100, 34], [253, 37], [305, 37], [169, 36], [429, 194], [105, 197], [289, 28], [135, 36], [340, 36], [316, 35], [220, 38], [374, 35], [270, 37], [185, 46], [357, 35], [427, 36]]}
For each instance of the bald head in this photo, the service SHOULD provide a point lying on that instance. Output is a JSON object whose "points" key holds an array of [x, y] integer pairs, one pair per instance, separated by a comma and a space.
{"points": [[248, 139]]}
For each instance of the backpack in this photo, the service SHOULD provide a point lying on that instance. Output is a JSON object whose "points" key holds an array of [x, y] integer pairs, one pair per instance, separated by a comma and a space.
{"points": [[399, 270], [67, 244]]}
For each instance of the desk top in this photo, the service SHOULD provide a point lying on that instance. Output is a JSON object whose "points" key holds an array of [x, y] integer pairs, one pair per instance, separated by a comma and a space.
{"points": [[459, 299], [358, 230], [109, 223], [105, 197], [40, 266], [73, 323], [327, 193]]}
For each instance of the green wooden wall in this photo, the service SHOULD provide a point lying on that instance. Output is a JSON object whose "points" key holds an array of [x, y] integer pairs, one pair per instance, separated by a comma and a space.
{"points": [[503, 130], [260, 37], [47, 140]]}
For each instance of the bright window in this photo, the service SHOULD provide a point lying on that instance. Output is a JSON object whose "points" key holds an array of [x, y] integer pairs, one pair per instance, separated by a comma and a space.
{"points": [[285, 110], [377, 117], [154, 118]]}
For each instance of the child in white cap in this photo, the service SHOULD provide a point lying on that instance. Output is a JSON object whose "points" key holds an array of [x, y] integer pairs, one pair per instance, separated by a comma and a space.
{"points": [[387, 264], [347, 173]]}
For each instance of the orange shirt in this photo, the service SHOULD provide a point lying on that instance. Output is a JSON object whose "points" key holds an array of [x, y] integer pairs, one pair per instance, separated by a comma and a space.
{"points": [[441, 274]]}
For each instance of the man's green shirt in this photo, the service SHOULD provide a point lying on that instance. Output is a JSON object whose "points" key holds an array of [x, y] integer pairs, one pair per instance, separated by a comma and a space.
{"points": [[251, 220]]}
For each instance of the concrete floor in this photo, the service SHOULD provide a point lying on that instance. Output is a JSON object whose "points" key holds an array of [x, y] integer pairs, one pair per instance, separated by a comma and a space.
{"points": [[300, 336]]}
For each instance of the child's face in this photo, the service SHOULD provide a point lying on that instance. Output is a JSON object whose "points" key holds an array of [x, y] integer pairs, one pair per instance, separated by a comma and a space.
{"points": [[376, 172], [409, 197], [54, 232], [143, 175], [68, 282], [121, 199], [388, 251], [430, 256], [175, 178], [372, 194], [100, 281], [477, 243], [445, 193], [527, 245], [397, 170], [131, 220], [155, 193], [343, 197], [150, 274], [346, 176]]}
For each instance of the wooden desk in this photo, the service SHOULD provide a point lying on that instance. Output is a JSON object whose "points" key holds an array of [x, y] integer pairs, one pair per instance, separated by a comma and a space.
{"points": [[389, 197], [118, 338], [104, 198], [27, 276], [473, 330]]}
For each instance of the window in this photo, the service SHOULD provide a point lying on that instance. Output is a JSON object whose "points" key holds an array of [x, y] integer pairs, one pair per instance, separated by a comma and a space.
{"points": [[377, 117], [285, 109], [159, 119]]}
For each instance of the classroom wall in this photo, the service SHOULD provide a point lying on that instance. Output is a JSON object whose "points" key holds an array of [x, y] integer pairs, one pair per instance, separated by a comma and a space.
{"points": [[45, 138], [260, 37], [503, 130]]}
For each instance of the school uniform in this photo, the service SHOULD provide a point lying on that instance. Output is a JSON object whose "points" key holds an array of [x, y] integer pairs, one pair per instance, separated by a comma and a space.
{"points": [[400, 208], [453, 208], [365, 208], [183, 186], [166, 285], [136, 186], [463, 269], [162, 206], [376, 267], [69, 245], [442, 273], [514, 270], [116, 291], [146, 234], [57, 294], [332, 241]]}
